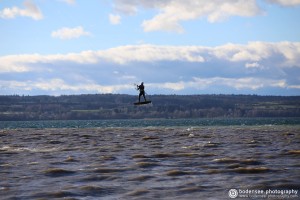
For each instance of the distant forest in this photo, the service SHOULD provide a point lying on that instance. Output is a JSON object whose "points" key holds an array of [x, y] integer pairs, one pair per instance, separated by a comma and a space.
{"points": [[120, 106]]}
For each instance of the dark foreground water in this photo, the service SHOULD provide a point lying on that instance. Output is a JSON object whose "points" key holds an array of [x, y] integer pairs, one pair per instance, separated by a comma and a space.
{"points": [[179, 161]]}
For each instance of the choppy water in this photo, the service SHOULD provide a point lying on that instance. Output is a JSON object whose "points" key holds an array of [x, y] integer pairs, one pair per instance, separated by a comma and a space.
{"points": [[153, 162]]}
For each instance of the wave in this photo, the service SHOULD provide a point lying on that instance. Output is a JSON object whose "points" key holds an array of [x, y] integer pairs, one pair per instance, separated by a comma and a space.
{"points": [[56, 172], [146, 163]]}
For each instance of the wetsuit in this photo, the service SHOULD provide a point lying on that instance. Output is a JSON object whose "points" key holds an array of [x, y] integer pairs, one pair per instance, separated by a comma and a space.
{"points": [[141, 88]]}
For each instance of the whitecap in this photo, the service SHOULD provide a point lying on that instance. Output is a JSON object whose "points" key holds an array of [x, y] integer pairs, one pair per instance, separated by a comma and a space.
{"points": [[26, 149]]}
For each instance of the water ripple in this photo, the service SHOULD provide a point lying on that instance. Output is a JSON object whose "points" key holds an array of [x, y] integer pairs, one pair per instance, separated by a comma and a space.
{"points": [[147, 163]]}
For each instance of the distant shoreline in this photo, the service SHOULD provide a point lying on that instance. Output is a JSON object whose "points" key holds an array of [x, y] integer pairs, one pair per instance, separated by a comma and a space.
{"points": [[120, 106]]}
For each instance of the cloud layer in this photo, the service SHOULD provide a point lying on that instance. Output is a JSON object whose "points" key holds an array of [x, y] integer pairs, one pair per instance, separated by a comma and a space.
{"points": [[231, 68], [170, 13]]}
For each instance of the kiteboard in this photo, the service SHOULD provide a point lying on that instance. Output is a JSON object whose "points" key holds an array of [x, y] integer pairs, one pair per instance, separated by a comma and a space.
{"points": [[142, 103]]}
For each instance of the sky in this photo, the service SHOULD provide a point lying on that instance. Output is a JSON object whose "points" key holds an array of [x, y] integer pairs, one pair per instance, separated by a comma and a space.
{"points": [[64, 47]]}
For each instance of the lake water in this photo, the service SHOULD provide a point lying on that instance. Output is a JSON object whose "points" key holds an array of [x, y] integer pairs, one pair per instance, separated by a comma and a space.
{"points": [[150, 159]]}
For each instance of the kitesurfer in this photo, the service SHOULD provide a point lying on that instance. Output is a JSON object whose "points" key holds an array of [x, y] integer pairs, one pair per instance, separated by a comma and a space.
{"points": [[141, 88]]}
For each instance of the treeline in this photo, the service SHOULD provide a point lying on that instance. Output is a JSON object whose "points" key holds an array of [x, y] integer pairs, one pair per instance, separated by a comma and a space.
{"points": [[120, 106]]}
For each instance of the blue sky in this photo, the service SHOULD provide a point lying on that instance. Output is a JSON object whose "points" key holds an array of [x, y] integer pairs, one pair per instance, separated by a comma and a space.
{"points": [[59, 47]]}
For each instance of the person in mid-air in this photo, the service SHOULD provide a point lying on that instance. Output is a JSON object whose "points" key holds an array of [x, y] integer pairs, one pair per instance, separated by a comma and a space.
{"points": [[141, 88]]}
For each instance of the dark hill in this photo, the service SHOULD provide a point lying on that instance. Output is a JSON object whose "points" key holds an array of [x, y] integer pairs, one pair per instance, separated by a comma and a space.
{"points": [[120, 106]]}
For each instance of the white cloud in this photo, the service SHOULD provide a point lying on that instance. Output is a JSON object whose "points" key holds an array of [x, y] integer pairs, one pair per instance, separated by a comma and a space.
{"points": [[126, 7], [57, 84], [151, 53], [250, 83], [18, 63], [254, 65], [69, 33], [114, 19], [294, 86], [245, 83], [128, 77], [215, 11], [285, 2], [173, 86], [14, 68], [30, 10], [172, 12], [118, 55], [70, 2], [251, 67], [14, 85], [286, 53]]}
